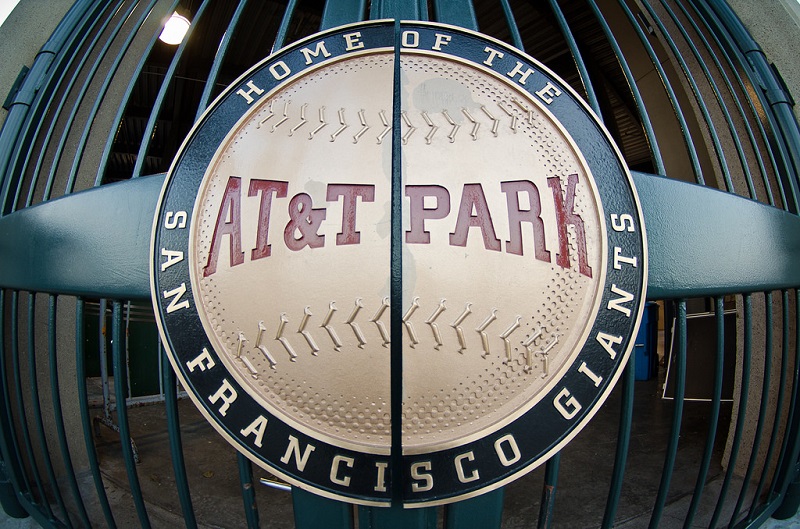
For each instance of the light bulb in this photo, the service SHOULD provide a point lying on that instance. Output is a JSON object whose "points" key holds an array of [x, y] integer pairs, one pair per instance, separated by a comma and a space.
{"points": [[175, 29]]}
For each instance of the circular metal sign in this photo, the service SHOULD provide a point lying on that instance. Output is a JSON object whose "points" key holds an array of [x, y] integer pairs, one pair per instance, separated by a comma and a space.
{"points": [[408, 281]]}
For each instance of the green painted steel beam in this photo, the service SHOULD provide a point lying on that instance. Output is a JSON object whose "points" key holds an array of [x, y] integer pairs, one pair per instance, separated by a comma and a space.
{"points": [[705, 242], [702, 242], [93, 244]]}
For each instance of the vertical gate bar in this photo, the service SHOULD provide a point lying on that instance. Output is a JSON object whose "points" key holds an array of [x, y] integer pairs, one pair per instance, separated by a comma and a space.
{"points": [[762, 411], [162, 93], [779, 113], [456, 12], [379, 9], [123, 102], [422, 8], [37, 409], [83, 404], [549, 487], [481, 512], [395, 9], [786, 481], [36, 88], [219, 57], [84, 139], [8, 440], [126, 352], [161, 360], [673, 98], [747, 355], [785, 118], [315, 512], [395, 517], [776, 423], [718, 96], [677, 416], [9, 502], [396, 287], [59, 413], [623, 443], [713, 421], [76, 104], [120, 391], [787, 432], [175, 444], [736, 99], [47, 102], [516, 38], [721, 33], [698, 95], [658, 161], [23, 421], [339, 12], [248, 491], [102, 330], [280, 37], [19, 115], [577, 56]]}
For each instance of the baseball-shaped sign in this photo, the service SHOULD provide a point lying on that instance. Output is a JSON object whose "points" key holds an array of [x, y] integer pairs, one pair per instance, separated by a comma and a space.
{"points": [[398, 262]]}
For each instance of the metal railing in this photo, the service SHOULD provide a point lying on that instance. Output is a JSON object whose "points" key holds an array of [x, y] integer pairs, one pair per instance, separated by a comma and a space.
{"points": [[47, 150]]}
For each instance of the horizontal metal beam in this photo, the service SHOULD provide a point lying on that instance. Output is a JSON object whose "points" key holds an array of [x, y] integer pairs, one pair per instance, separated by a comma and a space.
{"points": [[705, 242], [93, 244], [702, 242]]}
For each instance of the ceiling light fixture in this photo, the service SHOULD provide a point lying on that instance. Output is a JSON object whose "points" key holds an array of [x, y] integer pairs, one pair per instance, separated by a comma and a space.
{"points": [[175, 29]]}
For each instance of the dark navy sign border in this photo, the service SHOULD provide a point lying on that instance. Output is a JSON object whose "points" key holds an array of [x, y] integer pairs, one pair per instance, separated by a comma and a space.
{"points": [[535, 433]]}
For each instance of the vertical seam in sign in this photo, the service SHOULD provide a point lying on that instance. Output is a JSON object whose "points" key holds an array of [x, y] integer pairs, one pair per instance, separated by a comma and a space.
{"points": [[396, 286]]}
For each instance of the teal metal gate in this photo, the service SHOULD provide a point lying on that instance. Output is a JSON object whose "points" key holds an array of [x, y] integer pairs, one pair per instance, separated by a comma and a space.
{"points": [[104, 105]]}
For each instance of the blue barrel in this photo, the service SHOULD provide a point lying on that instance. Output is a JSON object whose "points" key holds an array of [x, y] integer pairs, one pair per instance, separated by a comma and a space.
{"points": [[646, 346]]}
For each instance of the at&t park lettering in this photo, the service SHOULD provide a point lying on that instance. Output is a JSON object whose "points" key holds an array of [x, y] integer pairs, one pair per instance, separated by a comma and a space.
{"points": [[302, 229]]}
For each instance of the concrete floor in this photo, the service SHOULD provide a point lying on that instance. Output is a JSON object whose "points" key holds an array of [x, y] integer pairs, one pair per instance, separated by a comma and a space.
{"points": [[28, 523], [585, 469], [583, 483], [586, 466]]}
